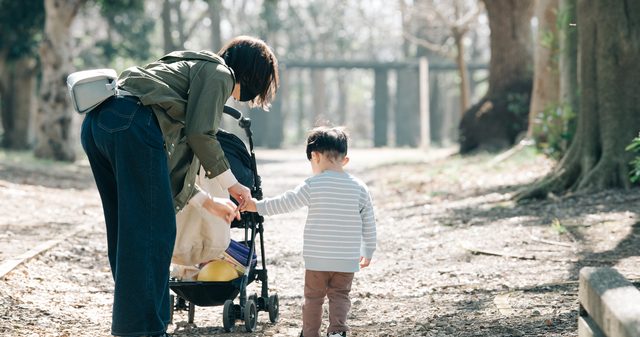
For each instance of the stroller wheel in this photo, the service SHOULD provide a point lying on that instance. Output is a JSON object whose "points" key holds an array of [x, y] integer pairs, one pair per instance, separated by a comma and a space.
{"points": [[228, 316], [250, 316], [274, 308]]}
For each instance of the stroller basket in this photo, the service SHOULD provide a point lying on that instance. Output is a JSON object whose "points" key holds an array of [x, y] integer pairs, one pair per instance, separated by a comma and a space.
{"points": [[206, 294], [213, 293]]}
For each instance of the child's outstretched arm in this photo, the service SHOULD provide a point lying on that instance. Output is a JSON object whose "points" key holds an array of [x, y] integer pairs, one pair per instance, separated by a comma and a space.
{"points": [[287, 202]]}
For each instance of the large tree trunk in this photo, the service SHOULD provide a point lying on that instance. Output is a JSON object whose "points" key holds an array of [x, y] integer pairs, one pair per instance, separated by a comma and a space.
{"points": [[167, 27], [17, 92], [407, 107], [546, 78], [609, 113], [215, 9], [497, 120], [54, 112], [381, 107], [568, 55]]}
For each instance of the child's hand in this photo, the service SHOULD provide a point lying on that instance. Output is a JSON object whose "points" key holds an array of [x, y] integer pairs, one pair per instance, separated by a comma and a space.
{"points": [[250, 205], [364, 262]]}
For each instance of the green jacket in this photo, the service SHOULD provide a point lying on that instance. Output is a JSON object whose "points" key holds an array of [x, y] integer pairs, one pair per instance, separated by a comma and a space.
{"points": [[187, 91]]}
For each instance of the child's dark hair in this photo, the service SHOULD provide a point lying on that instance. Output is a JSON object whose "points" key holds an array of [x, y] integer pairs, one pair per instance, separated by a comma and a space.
{"points": [[330, 141], [255, 68]]}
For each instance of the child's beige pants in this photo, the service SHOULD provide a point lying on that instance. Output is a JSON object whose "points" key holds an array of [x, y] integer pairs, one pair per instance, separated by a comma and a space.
{"points": [[335, 286]]}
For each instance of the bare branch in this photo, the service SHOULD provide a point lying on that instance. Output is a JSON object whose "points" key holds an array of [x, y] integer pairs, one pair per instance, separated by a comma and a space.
{"points": [[441, 50], [195, 24], [464, 23]]}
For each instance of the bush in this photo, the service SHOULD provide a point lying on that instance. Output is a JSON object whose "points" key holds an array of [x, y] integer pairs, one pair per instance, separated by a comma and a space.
{"points": [[634, 173], [554, 129]]}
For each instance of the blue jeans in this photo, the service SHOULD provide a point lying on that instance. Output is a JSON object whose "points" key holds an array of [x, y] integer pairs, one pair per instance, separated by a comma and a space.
{"points": [[126, 151]]}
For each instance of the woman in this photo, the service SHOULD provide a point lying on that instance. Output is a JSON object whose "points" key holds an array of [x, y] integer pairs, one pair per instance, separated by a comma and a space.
{"points": [[145, 148]]}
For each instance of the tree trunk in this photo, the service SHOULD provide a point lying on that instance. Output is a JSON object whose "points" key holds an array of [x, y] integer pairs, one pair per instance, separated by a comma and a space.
{"points": [[546, 78], [464, 73], [407, 116], [342, 97], [568, 55], [609, 114], [318, 99], [167, 27], [381, 108], [17, 104], [215, 8], [54, 111], [301, 124], [438, 112], [496, 121]]}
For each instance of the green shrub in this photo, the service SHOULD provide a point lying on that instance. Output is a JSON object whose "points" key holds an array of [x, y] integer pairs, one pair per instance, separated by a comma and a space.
{"points": [[554, 129], [634, 173]]}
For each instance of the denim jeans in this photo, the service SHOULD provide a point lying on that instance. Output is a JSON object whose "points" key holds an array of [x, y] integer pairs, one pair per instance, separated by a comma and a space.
{"points": [[125, 148], [336, 287]]}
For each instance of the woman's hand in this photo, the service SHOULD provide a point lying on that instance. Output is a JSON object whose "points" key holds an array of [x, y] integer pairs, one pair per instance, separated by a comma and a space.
{"points": [[223, 208], [240, 193]]}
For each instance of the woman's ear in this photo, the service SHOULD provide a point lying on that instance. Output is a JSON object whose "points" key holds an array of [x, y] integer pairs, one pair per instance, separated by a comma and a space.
{"points": [[345, 161]]}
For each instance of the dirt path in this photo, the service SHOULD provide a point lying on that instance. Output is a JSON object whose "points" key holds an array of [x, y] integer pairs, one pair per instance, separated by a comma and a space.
{"points": [[438, 221]]}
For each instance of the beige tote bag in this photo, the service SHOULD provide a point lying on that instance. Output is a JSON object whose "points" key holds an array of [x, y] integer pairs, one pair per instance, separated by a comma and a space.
{"points": [[201, 236]]}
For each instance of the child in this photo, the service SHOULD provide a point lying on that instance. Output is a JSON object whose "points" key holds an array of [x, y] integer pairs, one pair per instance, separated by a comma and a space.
{"points": [[340, 231]]}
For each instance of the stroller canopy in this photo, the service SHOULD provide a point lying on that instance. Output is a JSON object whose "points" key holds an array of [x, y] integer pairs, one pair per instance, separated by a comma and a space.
{"points": [[238, 157]]}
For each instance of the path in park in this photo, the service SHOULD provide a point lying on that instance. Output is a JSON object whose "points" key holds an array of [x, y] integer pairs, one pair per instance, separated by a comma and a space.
{"points": [[456, 256]]}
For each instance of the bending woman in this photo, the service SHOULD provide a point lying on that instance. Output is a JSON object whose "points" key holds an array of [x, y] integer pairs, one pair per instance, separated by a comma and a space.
{"points": [[145, 148]]}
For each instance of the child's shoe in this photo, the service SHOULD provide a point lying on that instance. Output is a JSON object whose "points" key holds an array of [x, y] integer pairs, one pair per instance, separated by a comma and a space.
{"points": [[337, 334]]}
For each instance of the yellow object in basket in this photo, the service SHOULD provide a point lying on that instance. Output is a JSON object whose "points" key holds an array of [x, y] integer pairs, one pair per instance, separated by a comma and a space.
{"points": [[217, 270]]}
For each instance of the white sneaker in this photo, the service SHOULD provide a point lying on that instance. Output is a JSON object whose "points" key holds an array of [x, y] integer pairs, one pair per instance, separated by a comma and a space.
{"points": [[337, 334]]}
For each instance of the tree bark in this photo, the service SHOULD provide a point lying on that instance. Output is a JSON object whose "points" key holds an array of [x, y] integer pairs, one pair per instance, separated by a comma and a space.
{"points": [[167, 27], [568, 55], [318, 99], [465, 94], [511, 43], [497, 120], [54, 111], [609, 114], [381, 108], [546, 78], [17, 105], [215, 8], [407, 107], [343, 97]]}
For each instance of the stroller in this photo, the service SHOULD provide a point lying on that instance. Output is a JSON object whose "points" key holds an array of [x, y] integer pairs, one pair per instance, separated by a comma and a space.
{"points": [[189, 294]]}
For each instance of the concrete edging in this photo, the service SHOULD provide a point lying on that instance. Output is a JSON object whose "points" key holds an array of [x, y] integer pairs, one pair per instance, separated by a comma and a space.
{"points": [[609, 304]]}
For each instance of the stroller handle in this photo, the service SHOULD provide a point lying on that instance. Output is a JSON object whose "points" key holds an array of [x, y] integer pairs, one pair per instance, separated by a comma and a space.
{"points": [[233, 112]]}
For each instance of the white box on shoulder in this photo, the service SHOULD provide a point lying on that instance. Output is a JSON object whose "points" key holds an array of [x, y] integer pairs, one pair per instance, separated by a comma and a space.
{"points": [[89, 88]]}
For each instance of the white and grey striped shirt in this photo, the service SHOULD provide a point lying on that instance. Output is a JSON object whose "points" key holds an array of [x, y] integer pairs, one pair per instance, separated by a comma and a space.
{"points": [[340, 224]]}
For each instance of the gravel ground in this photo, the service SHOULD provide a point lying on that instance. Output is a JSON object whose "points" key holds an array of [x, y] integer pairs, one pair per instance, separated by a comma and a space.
{"points": [[456, 256]]}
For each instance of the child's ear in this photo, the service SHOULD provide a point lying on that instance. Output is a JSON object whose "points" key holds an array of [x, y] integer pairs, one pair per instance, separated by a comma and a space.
{"points": [[315, 156], [345, 160]]}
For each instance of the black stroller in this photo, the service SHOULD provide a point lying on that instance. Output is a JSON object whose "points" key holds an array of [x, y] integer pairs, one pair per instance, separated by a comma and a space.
{"points": [[196, 293]]}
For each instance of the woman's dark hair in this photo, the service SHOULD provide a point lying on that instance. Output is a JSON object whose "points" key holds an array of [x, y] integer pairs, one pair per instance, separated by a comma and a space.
{"points": [[332, 142], [255, 67]]}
